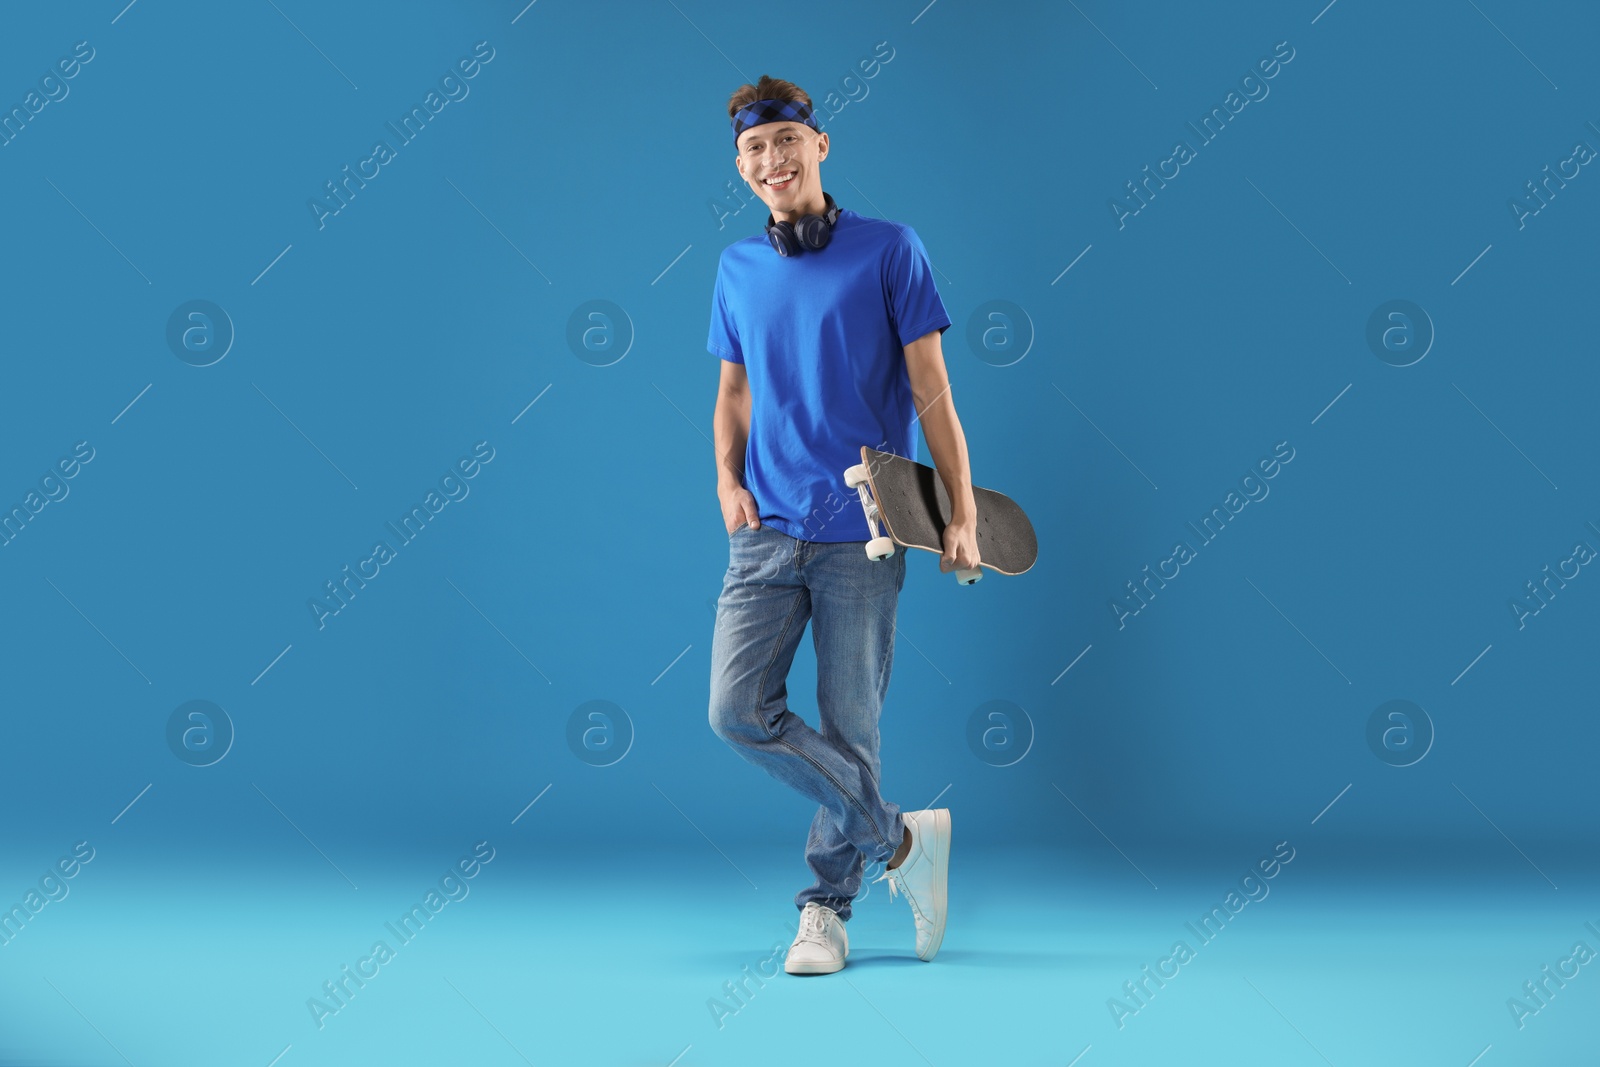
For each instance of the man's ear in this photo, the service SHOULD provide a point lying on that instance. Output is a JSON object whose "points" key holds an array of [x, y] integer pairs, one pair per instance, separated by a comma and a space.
{"points": [[822, 147]]}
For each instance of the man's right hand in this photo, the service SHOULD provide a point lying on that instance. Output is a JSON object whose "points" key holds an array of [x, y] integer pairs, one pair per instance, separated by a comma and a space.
{"points": [[738, 508]]}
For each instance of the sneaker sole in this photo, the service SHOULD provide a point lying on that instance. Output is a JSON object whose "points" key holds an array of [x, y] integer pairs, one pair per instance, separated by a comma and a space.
{"points": [[941, 878], [814, 968]]}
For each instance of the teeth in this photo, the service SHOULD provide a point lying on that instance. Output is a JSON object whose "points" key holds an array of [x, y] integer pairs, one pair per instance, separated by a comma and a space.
{"points": [[786, 177]]}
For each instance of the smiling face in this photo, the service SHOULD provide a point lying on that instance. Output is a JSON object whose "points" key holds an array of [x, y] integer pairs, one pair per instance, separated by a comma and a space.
{"points": [[791, 152]]}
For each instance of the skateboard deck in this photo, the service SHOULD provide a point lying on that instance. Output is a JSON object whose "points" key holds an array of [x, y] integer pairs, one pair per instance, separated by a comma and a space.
{"points": [[911, 501]]}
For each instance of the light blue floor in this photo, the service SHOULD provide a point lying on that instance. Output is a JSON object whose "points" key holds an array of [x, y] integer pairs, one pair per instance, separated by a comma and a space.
{"points": [[559, 960]]}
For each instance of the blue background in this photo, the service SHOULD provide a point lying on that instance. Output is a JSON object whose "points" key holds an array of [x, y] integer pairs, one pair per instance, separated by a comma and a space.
{"points": [[590, 162]]}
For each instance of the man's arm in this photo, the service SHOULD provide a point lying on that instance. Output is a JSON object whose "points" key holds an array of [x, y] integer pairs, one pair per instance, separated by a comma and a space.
{"points": [[730, 426], [930, 391]]}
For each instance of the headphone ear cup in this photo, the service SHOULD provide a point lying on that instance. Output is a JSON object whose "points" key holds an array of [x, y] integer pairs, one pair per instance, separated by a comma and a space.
{"points": [[782, 237], [814, 232]]}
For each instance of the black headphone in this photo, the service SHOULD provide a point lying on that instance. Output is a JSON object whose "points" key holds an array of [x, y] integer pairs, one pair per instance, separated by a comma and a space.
{"points": [[812, 231]]}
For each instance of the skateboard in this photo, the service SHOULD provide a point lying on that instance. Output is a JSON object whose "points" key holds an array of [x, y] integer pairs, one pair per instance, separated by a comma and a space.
{"points": [[914, 506]]}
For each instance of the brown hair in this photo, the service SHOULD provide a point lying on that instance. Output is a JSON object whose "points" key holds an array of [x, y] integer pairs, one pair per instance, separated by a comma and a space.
{"points": [[769, 88]]}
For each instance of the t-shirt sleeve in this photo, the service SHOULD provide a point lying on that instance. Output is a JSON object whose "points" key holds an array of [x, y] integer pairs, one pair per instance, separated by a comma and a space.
{"points": [[724, 338], [908, 282]]}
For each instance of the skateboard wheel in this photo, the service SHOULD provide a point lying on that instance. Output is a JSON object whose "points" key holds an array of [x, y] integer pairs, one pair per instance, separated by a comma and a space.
{"points": [[856, 475], [966, 577], [880, 548]]}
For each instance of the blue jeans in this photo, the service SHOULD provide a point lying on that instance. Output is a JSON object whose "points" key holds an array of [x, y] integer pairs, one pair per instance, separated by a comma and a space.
{"points": [[776, 583]]}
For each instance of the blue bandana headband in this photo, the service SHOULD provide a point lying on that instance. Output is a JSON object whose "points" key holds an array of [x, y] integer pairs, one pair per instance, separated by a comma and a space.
{"points": [[762, 111]]}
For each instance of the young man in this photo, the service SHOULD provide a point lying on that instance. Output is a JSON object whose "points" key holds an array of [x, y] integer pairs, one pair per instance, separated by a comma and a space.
{"points": [[829, 333]]}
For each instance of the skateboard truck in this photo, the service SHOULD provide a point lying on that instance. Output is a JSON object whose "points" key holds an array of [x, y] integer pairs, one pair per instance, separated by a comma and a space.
{"points": [[881, 547]]}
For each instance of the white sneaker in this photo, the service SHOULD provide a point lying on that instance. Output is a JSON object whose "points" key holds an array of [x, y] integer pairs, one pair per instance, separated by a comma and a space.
{"points": [[923, 876], [821, 945]]}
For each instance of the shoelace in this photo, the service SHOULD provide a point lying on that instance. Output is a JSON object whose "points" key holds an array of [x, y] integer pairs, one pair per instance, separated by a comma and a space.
{"points": [[892, 874], [814, 926]]}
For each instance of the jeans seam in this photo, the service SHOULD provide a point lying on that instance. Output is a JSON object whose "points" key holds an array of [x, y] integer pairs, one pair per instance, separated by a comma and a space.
{"points": [[883, 679], [883, 662], [867, 817], [761, 690], [761, 700]]}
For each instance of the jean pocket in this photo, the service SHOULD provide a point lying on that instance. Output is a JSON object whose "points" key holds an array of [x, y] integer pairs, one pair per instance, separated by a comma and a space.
{"points": [[738, 529]]}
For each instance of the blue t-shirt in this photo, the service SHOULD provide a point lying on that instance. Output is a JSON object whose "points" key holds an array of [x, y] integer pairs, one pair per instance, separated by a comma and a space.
{"points": [[821, 336]]}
